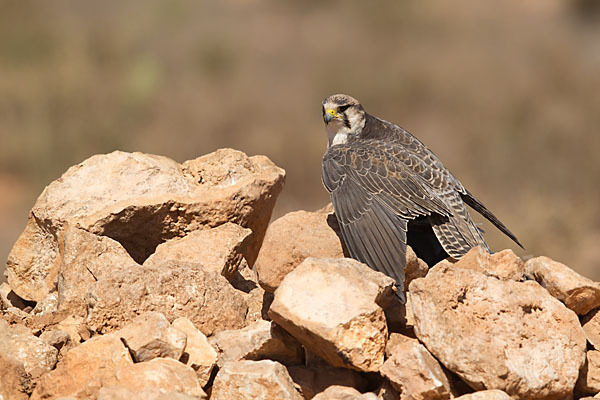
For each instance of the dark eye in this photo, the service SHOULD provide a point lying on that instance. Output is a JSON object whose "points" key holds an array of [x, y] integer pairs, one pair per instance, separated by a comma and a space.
{"points": [[341, 109]]}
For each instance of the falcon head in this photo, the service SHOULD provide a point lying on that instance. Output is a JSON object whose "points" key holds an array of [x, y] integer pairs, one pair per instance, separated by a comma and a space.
{"points": [[344, 117]]}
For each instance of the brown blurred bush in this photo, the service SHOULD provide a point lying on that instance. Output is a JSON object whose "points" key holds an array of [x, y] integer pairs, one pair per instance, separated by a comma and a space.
{"points": [[506, 93]]}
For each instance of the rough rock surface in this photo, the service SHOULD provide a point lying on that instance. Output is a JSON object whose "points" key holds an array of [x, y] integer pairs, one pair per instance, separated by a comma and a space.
{"points": [[343, 393], [315, 379], [591, 326], [150, 336], [415, 267], [413, 371], [577, 292], [198, 354], [15, 383], [498, 334], [175, 289], [36, 356], [589, 378], [220, 249], [505, 264], [486, 395], [84, 369], [261, 340], [254, 380], [142, 200], [164, 374], [291, 239], [119, 392], [332, 306]]}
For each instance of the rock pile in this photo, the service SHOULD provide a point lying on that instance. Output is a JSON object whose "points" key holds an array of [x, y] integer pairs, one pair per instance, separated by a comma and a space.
{"points": [[140, 278]]}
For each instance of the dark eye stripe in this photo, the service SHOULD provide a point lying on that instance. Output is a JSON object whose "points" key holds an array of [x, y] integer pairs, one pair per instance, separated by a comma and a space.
{"points": [[343, 108]]}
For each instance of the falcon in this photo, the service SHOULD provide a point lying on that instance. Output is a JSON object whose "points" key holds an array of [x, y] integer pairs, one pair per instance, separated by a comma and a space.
{"points": [[388, 190]]}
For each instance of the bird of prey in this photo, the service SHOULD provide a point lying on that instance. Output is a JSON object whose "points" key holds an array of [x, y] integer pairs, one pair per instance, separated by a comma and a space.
{"points": [[384, 182]]}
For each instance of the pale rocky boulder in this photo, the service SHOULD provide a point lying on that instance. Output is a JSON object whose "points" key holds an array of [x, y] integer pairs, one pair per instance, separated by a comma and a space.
{"points": [[151, 335], [164, 374], [142, 200], [175, 289], [198, 354], [486, 395], [589, 378], [315, 379], [415, 267], [15, 383], [413, 371], [119, 392], [334, 308], [591, 326], [497, 334], [220, 249], [85, 369], [36, 356], [344, 393], [577, 292], [291, 239], [505, 264], [261, 380], [261, 340]]}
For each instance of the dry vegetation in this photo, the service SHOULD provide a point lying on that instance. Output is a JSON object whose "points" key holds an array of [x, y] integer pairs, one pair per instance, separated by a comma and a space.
{"points": [[506, 93]]}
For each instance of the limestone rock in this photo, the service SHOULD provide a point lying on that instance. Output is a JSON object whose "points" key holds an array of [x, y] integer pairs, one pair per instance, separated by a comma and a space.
{"points": [[221, 249], [315, 379], [415, 267], [577, 292], [261, 340], [498, 334], [291, 239], [387, 392], [198, 354], [505, 264], [332, 306], [486, 395], [150, 336], [84, 369], [142, 200], [175, 289], [58, 339], [413, 371], [164, 374], [589, 378], [119, 392], [253, 380], [591, 326], [36, 356], [15, 383], [343, 393]]}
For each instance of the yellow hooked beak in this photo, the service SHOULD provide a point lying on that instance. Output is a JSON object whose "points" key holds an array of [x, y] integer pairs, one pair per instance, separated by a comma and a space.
{"points": [[330, 114]]}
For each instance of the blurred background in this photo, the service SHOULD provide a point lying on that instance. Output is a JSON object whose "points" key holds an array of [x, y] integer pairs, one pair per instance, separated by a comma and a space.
{"points": [[507, 94]]}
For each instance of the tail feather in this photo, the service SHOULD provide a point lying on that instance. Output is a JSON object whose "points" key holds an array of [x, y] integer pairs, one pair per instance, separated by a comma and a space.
{"points": [[476, 205]]}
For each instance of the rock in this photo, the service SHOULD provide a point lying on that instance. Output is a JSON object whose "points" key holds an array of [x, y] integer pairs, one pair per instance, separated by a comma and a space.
{"points": [[589, 378], [220, 249], [175, 289], [119, 392], [415, 267], [387, 392], [291, 239], [198, 354], [591, 326], [332, 306], [253, 380], [142, 200], [315, 379], [15, 383], [413, 371], [504, 265], [577, 292], [343, 393], [261, 340], [84, 369], [36, 356], [498, 334], [164, 374], [486, 395], [150, 336], [58, 339]]}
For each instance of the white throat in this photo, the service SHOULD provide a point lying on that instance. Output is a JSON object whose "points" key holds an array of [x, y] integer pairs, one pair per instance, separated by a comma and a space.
{"points": [[336, 134]]}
